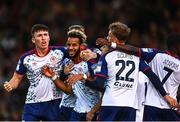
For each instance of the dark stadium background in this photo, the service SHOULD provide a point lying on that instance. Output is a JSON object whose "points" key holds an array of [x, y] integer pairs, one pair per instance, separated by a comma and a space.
{"points": [[151, 21]]}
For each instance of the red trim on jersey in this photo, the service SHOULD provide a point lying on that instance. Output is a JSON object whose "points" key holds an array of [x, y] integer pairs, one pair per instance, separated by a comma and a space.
{"points": [[169, 53], [99, 75], [146, 69], [35, 51]]}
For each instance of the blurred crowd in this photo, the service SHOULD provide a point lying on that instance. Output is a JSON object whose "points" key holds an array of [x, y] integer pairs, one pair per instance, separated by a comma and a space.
{"points": [[150, 20]]}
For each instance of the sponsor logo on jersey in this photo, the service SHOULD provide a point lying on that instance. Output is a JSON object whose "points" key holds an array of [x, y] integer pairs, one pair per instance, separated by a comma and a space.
{"points": [[53, 59], [123, 84], [34, 63]]}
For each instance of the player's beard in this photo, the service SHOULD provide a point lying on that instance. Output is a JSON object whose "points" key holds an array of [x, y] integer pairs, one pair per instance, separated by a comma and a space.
{"points": [[76, 54]]}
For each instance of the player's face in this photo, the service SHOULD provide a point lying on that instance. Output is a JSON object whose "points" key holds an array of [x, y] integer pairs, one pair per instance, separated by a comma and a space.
{"points": [[104, 49], [41, 39], [73, 46]]}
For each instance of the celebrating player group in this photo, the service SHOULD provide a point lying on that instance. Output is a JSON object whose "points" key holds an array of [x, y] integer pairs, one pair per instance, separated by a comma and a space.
{"points": [[115, 82]]}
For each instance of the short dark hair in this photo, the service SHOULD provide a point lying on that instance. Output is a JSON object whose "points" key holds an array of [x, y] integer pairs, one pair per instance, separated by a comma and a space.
{"points": [[39, 27], [172, 40], [120, 30], [77, 31]]}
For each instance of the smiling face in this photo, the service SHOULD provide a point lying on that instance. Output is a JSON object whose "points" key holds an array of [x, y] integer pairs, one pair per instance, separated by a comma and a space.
{"points": [[73, 46], [41, 39]]}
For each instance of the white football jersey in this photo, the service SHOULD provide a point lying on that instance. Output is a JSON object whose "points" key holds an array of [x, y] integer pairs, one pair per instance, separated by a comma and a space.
{"points": [[167, 68], [68, 100], [141, 93], [86, 98], [41, 87], [122, 72]]}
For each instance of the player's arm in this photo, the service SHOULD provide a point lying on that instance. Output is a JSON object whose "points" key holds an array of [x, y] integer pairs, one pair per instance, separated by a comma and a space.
{"points": [[146, 54], [157, 84], [93, 111], [124, 48], [94, 83], [14, 82], [90, 54], [66, 88], [98, 80]]}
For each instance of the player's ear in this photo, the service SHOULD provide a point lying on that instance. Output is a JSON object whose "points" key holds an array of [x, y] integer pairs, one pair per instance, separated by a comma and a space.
{"points": [[33, 40], [83, 47]]}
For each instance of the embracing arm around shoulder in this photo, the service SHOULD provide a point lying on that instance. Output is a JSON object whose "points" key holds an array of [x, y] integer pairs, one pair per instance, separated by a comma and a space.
{"points": [[129, 49]]}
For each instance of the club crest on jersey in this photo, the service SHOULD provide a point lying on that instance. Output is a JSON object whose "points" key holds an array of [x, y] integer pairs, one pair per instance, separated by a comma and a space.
{"points": [[53, 59], [34, 63], [80, 69]]}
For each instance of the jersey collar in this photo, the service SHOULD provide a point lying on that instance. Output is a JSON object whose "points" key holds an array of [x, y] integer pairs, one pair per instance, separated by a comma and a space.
{"points": [[35, 50]]}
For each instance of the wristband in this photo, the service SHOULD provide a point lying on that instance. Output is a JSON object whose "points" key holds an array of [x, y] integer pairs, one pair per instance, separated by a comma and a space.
{"points": [[54, 77], [113, 45], [84, 76]]}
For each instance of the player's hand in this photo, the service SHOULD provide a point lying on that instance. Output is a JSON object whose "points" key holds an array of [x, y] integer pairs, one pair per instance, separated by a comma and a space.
{"points": [[87, 55], [47, 71], [89, 116], [68, 68], [101, 42], [171, 101], [73, 79], [7, 86]]}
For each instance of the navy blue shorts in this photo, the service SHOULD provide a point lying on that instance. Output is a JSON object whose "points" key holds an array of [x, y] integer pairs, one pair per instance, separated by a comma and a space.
{"points": [[75, 116], [65, 113], [115, 113], [156, 114], [42, 111]]}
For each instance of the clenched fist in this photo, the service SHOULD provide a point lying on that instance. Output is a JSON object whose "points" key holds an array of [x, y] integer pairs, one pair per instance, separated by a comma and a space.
{"points": [[7, 86]]}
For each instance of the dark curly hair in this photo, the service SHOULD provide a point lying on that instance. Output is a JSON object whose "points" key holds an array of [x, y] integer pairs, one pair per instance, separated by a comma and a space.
{"points": [[77, 31]]}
